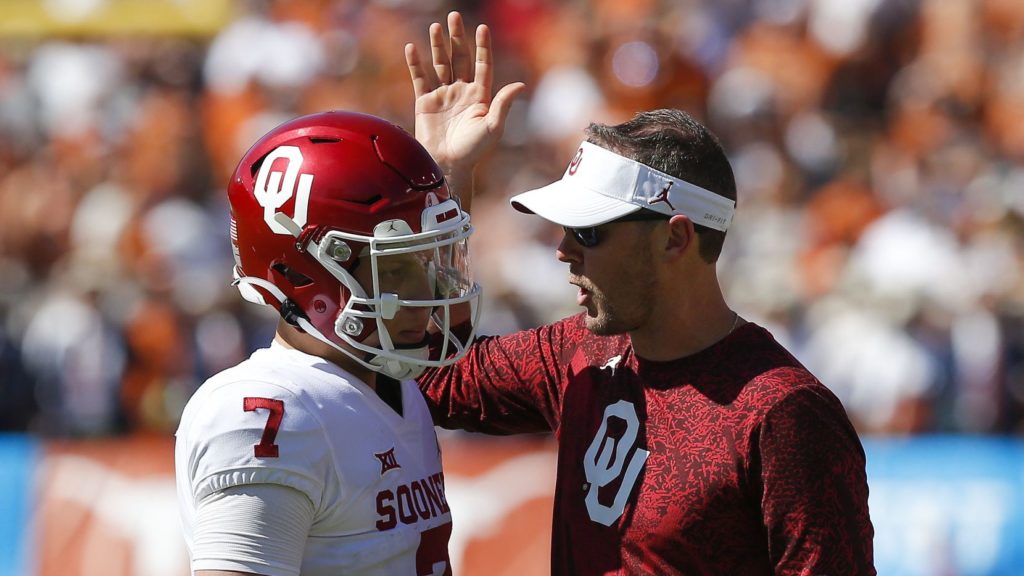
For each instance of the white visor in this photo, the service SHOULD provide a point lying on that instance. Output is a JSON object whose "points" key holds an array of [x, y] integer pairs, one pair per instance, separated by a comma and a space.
{"points": [[600, 186]]}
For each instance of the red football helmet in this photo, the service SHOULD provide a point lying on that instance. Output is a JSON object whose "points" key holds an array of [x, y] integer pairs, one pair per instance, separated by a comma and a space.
{"points": [[323, 194]]}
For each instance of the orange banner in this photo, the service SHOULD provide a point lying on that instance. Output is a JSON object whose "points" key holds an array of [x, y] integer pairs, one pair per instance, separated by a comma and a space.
{"points": [[109, 507]]}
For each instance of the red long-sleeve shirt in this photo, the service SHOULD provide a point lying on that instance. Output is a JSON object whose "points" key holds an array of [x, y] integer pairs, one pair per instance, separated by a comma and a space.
{"points": [[734, 460]]}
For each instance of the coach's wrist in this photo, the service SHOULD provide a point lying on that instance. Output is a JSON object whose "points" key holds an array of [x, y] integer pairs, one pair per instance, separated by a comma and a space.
{"points": [[461, 183]]}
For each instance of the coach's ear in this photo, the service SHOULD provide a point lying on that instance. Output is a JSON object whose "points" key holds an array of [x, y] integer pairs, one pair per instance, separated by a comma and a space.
{"points": [[680, 239]]}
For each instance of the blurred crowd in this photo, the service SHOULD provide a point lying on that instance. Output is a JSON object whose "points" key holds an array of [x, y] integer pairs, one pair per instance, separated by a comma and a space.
{"points": [[878, 147]]}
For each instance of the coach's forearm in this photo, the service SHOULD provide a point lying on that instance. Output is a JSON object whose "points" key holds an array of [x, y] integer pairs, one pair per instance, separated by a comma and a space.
{"points": [[461, 182]]}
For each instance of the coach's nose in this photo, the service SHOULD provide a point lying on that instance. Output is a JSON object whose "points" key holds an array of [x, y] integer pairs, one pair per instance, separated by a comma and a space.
{"points": [[569, 250]]}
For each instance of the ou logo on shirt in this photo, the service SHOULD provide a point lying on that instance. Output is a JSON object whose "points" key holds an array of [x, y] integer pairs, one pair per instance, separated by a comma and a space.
{"points": [[606, 460], [274, 188]]}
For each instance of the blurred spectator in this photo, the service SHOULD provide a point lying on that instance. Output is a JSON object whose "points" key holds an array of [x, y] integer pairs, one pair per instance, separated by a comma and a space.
{"points": [[878, 149]]}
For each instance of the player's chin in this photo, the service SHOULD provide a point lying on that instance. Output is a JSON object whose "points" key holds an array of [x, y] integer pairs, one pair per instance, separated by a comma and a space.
{"points": [[409, 338]]}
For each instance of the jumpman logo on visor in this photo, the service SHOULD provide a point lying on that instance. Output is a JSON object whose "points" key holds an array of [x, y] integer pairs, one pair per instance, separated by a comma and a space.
{"points": [[663, 197]]}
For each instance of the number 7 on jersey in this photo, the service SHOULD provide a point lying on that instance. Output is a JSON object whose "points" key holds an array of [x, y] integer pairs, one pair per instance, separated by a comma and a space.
{"points": [[266, 448]]}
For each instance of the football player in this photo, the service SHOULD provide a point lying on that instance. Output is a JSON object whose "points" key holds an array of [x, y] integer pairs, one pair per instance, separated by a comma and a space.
{"points": [[317, 454]]}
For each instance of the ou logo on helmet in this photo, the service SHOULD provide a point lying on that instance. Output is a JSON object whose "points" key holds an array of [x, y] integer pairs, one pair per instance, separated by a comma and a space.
{"points": [[274, 188]]}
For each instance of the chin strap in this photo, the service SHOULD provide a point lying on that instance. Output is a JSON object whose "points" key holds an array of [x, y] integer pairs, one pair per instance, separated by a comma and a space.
{"points": [[388, 366], [400, 370], [292, 314]]}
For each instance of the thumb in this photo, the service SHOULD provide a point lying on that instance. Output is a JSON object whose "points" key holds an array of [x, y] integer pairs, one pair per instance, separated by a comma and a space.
{"points": [[501, 104]]}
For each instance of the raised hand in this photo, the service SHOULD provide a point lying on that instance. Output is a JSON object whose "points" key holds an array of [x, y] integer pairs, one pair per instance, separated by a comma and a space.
{"points": [[457, 119]]}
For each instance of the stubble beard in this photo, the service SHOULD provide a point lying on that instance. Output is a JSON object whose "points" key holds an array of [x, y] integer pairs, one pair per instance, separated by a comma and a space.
{"points": [[609, 321], [633, 306]]}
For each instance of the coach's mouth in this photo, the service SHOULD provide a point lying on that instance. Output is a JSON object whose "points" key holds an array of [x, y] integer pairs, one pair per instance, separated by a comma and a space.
{"points": [[582, 297], [583, 292]]}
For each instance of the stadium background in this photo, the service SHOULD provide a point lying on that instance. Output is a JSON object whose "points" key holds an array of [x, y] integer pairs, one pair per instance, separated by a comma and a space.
{"points": [[878, 147]]}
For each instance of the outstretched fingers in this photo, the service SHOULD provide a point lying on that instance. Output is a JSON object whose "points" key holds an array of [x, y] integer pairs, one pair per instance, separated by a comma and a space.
{"points": [[424, 79], [439, 54], [484, 69], [460, 49], [452, 57]]}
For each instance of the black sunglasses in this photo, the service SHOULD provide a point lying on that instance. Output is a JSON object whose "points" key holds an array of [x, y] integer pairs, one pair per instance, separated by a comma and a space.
{"points": [[591, 236]]}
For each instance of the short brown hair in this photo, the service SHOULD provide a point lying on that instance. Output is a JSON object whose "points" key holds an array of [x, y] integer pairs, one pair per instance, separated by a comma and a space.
{"points": [[673, 142]]}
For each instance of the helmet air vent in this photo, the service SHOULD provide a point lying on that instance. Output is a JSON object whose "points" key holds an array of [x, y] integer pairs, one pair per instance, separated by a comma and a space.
{"points": [[255, 167], [296, 279], [423, 182], [368, 201]]}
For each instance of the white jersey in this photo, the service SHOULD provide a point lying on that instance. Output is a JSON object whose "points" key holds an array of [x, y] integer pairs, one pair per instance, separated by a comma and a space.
{"points": [[373, 476]]}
